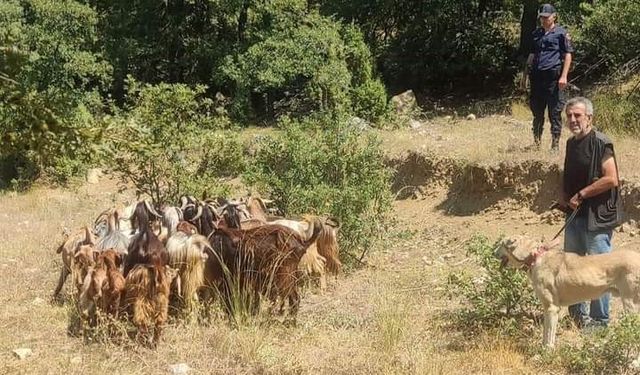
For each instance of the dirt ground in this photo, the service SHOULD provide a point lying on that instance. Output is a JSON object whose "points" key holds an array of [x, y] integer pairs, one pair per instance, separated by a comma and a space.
{"points": [[462, 178]]}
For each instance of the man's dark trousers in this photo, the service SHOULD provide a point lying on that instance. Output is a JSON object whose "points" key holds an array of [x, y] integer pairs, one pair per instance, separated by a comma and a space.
{"points": [[546, 94]]}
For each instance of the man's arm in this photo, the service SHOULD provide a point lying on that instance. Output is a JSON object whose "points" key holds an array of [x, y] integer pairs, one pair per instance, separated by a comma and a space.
{"points": [[562, 82], [608, 181]]}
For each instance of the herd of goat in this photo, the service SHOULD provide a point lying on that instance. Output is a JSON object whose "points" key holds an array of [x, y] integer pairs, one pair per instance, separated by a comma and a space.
{"points": [[133, 260]]}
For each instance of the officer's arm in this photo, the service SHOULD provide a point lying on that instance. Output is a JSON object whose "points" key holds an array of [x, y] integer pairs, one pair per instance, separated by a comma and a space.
{"points": [[608, 180], [565, 69]]}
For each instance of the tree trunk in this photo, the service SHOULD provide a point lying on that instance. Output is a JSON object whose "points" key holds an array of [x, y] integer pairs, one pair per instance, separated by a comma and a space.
{"points": [[528, 24]]}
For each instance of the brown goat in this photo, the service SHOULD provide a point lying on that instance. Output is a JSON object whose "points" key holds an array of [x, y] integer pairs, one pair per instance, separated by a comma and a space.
{"points": [[147, 290], [262, 261], [102, 287], [145, 248], [68, 250], [323, 254]]}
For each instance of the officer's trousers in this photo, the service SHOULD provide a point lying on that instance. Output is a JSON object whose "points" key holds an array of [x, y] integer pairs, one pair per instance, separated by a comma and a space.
{"points": [[545, 94]]}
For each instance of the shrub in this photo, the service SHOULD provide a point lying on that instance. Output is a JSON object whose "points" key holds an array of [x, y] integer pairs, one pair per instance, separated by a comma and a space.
{"points": [[614, 350], [617, 112], [50, 79], [336, 171], [616, 42], [167, 145], [498, 299]]}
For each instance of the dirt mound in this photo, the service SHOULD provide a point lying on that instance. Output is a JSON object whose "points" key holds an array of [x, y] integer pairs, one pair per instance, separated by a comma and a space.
{"points": [[475, 187]]}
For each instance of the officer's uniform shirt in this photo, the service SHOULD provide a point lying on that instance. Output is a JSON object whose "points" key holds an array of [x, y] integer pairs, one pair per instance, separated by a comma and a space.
{"points": [[549, 49]]}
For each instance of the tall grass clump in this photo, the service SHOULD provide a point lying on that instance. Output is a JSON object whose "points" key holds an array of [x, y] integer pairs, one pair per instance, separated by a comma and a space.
{"points": [[614, 350], [496, 299]]}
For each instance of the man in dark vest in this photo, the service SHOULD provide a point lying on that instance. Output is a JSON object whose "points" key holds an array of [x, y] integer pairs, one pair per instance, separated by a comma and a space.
{"points": [[590, 185], [549, 64]]}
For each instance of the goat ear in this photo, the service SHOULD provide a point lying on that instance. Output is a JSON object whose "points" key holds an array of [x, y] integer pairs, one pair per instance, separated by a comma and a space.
{"points": [[88, 236]]}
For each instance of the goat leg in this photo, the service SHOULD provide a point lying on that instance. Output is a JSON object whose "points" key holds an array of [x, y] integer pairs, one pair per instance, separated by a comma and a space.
{"points": [[64, 273]]}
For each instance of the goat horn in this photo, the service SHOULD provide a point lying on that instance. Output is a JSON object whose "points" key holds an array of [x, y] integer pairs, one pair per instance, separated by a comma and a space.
{"points": [[245, 211], [333, 222], [183, 202], [193, 199], [151, 209], [198, 214], [103, 213], [180, 214]]}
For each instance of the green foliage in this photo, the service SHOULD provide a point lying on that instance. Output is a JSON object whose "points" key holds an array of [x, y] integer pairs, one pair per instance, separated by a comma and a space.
{"points": [[617, 112], [302, 65], [612, 350], [429, 44], [498, 298], [616, 42], [164, 144], [51, 76], [338, 171], [370, 101]]}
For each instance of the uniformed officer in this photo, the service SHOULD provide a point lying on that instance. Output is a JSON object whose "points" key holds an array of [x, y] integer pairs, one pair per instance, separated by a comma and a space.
{"points": [[549, 64]]}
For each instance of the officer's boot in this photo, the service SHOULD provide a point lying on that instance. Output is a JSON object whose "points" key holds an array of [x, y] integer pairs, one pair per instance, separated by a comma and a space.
{"points": [[536, 141], [555, 139]]}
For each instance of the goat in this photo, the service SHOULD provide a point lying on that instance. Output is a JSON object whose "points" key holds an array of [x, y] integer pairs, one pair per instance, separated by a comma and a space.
{"points": [[102, 287], [171, 216], [142, 216], [323, 254], [145, 248], [203, 215], [186, 253], [68, 249], [113, 238], [101, 224], [147, 289], [261, 260]]}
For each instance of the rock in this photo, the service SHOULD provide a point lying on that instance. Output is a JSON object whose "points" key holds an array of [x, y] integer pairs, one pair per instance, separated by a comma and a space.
{"points": [[404, 103], [37, 301], [179, 369], [93, 175], [22, 353], [471, 117], [75, 360], [448, 117], [448, 256], [358, 123], [415, 124], [625, 228]]}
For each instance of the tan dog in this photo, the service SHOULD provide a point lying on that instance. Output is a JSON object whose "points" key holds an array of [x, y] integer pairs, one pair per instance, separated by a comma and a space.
{"points": [[562, 279]]}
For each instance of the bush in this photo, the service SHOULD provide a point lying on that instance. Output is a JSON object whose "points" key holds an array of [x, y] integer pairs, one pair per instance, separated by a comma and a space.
{"points": [[617, 112], [614, 350], [370, 101], [50, 80], [167, 145], [336, 171], [616, 42], [303, 64], [498, 299]]}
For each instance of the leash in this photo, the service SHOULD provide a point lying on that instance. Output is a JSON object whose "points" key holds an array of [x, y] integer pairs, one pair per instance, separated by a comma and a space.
{"points": [[573, 215]]}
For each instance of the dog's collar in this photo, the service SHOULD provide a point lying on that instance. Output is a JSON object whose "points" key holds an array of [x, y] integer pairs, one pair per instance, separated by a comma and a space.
{"points": [[533, 257]]}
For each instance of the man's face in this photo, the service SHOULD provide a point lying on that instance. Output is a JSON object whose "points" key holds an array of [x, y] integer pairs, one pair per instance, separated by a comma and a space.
{"points": [[578, 121], [547, 22]]}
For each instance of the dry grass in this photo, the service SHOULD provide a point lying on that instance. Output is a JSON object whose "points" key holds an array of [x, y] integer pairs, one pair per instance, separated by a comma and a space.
{"points": [[390, 318], [372, 321]]}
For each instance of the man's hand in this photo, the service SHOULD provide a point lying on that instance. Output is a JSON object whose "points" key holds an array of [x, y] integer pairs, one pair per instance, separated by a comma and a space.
{"points": [[575, 201], [562, 82]]}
